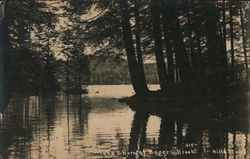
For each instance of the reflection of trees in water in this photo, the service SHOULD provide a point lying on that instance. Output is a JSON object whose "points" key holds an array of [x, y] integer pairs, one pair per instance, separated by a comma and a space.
{"points": [[203, 139], [106, 142], [17, 116], [167, 134], [49, 107], [27, 120], [76, 113], [121, 141], [16, 134], [79, 109], [32, 119], [138, 131], [14, 142], [212, 127]]}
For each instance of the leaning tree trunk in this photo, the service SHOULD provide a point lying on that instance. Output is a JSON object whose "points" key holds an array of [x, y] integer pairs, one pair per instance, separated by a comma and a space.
{"points": [[138, 46], [139, 88], [3, 56], [244, 41], [161, 67]]}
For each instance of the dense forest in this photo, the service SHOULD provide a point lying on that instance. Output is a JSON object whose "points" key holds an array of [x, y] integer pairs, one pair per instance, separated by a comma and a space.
{"points": [[112, 70], [45, 44]]}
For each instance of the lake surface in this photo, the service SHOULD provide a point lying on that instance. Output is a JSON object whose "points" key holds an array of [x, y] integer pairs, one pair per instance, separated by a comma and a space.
{"points": [[97, 125]]}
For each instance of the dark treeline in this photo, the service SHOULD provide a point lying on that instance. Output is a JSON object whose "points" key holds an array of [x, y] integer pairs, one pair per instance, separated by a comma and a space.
{"points": [[193, 42], [30, 61], [31, 36], [113, 70]]}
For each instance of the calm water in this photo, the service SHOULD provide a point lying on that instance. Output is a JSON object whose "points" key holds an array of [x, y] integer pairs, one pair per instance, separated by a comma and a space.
{"points": [[97, 124]]}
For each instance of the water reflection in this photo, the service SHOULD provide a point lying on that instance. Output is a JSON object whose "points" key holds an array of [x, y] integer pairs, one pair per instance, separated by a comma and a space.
{"points": [[221, 132], [84, 126], [138, 131]]}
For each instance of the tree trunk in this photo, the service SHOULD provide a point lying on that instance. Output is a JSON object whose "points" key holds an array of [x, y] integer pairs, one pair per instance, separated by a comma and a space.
{"points": [[248, 24], [138, 46], [67, 73], [244, 42], [213, 38], [223, 56], [224, 33], [139, 88], [181, 55], [79, 79], [161, 67], [79, 71], [3, 56], [199, 64], [169, 49], [231, 37], [191, 44]]}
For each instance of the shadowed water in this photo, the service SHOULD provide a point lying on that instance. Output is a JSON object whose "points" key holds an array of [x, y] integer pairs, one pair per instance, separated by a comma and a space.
{"points": [[97, 125]]}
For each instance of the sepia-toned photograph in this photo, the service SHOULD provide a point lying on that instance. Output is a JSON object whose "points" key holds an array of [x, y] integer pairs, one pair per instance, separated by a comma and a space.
{"points": [[124, 79]]}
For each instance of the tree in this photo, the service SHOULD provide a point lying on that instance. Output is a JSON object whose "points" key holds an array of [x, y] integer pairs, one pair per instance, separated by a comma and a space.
{"points": [[232, 37], [181, 56], [194, 38], [3, 55], [157, 33], [169, 48], [139, 87], [29, 60], [138, 44], [244, 41], [73, 48]]}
